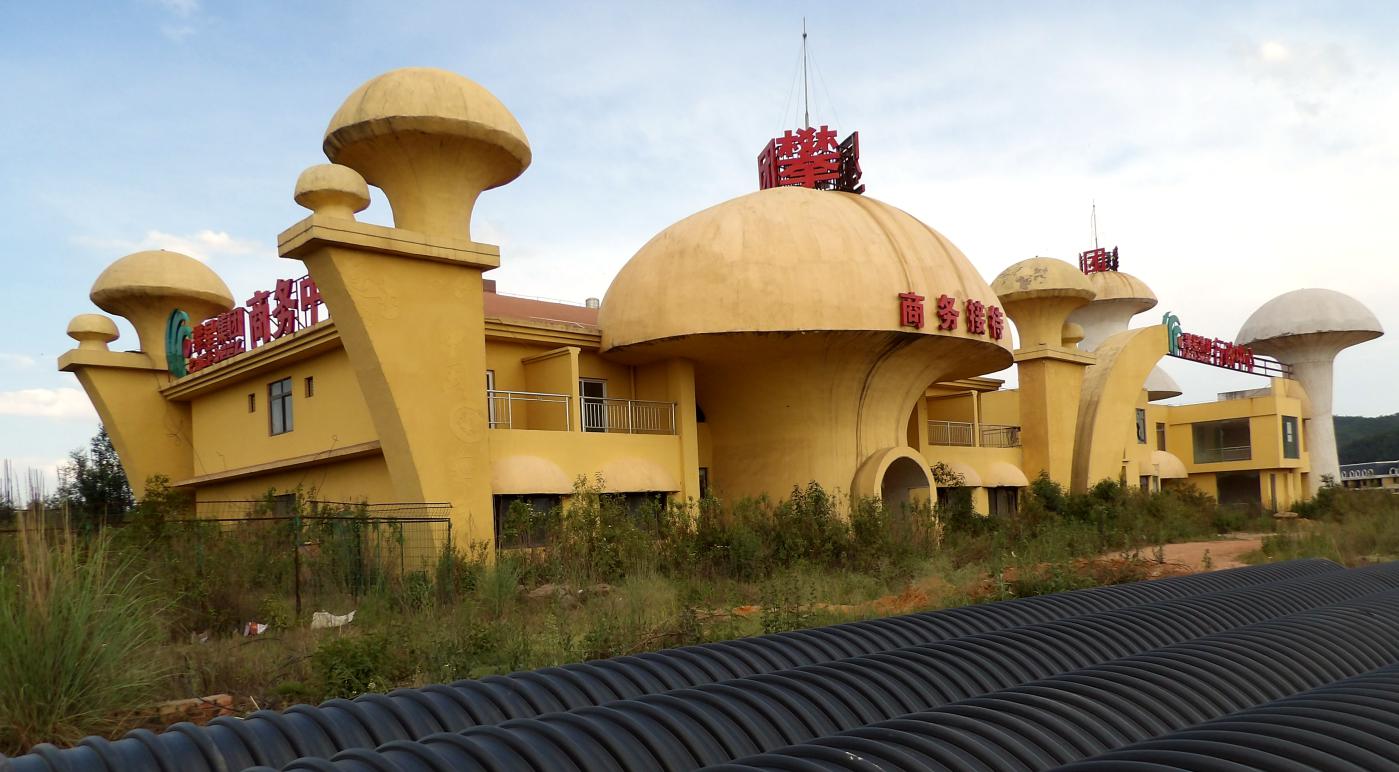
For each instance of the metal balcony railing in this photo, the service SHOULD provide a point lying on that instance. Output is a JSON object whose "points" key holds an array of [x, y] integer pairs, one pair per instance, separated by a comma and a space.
{"points": [[1217, 455], [629, 416], [1000, 436], [502, 412], [958, 433]]}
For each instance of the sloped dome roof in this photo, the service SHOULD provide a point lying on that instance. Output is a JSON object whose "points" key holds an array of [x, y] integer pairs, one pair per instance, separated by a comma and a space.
{"points": [[788, 260], [1310, 311], [1116, 285]]}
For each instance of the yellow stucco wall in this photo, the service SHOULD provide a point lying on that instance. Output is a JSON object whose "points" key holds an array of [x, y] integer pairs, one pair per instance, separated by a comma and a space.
{"points": [[227, 436], [354, 480]]}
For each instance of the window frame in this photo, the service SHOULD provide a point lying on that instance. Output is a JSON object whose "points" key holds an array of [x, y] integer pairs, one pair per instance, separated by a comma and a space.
{"points": [[279, 407]]}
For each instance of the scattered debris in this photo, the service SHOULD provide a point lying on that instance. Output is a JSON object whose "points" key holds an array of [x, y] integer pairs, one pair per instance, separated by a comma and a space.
{"points": [[197, 710], [254, 628], [322, 620]]}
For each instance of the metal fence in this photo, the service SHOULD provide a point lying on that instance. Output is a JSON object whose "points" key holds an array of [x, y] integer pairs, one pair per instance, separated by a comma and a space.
{"points": [[1000, 436], [313, 550], [630, 416]]}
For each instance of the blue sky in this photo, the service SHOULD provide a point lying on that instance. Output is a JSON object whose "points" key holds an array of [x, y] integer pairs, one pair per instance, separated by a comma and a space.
{"points": [[1236, 150]]}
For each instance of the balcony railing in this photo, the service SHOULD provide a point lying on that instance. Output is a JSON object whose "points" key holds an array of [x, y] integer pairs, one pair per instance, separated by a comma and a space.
{"points": [[1000, 436], [629, 416], [506, 409], [958, 433], [1217, 455]]}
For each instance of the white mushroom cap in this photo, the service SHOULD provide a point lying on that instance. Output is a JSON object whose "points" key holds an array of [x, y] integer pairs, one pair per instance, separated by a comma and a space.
{"points": [[1321, 315]]}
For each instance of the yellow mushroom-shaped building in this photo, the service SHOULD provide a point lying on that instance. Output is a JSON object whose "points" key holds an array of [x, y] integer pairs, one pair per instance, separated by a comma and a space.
{"points": [[789, 302]]}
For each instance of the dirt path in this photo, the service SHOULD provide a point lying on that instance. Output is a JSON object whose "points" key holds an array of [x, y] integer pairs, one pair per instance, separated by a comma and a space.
{"points": [[1224, 552]]}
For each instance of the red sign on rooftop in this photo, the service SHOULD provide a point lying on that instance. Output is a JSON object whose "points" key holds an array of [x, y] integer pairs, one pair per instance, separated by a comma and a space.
{"points": [[267, 316], [1098, 259], [811, 158]]}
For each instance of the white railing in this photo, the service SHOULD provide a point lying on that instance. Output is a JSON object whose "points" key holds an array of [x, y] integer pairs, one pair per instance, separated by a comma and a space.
{"points": [[501, 406], [1000, 436], [960, 433], [1218, 455], [630, 416]]}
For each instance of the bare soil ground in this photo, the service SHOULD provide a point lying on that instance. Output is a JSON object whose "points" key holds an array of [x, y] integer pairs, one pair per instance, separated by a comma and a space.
{"points": [[1223, 552]]}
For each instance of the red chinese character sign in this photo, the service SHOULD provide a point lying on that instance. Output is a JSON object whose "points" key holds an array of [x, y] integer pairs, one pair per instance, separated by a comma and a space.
{"points": [[1219, 353], [266, 316], [1098, 259], [981, 319], [811, 158]]}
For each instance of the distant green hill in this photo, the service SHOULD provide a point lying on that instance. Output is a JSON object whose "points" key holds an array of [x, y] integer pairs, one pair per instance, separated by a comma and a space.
{"points": [[1360, 439]]}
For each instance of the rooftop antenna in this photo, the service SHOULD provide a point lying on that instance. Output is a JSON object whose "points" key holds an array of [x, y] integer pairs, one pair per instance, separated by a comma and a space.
{"points": [[806, 91], [1095, 223]]}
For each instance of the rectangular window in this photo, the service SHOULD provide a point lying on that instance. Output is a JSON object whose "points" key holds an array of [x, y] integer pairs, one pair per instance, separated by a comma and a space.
{"points": [[1291, 448], [279, 406], [1141, 426], [1220, 441], [252, 403], [523, 520], [1002, 501], [310, 386], [1160, 436]]}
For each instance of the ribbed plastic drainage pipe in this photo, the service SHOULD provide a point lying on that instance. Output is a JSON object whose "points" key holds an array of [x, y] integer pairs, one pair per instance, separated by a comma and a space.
{"points": [[1048, 723], [1348, 726], [689, 728], [274, 738]]}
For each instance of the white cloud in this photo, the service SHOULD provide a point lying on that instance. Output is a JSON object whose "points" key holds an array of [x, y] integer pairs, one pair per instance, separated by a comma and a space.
{"points": [[63, 402], [203, 245], [177, 33], [16, 361]]}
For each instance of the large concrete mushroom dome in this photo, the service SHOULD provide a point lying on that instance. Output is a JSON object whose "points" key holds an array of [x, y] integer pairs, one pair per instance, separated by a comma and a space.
{"points": [[432, 102], [1310, 312], [787, 260], [134, 281]]}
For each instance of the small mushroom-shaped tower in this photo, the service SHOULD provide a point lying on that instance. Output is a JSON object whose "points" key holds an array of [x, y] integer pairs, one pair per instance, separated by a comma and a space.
{"points": [[332, 190], [1039, 294], [1306, 329], [146, 287], [92, 331], [432, 140]]}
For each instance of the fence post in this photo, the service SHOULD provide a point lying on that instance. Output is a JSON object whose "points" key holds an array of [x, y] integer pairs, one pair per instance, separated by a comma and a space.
{"points": [[296, 558]]}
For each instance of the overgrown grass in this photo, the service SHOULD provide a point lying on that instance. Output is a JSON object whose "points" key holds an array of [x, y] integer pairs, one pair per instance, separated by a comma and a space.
{"points": [[1352, 527], [608, 580], [79, 638]]}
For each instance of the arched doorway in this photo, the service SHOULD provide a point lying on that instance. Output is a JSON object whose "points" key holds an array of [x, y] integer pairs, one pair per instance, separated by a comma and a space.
{"points": [[905, 481]]}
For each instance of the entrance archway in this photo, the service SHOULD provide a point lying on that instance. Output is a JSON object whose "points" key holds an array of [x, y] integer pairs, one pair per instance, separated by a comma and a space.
{"points": [[896, 475]]}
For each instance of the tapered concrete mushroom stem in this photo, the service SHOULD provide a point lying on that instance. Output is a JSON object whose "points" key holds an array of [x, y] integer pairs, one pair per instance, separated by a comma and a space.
{"points": [[1306, 329]]}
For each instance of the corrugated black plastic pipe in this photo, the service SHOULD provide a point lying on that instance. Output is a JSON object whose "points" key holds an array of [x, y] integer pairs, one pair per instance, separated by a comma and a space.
{"points": [[274, 738], [1044, 724], [1348, 726], [688, 728]]}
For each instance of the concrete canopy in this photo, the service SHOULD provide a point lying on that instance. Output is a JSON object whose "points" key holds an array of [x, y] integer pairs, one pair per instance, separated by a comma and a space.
{"points": [[1160, 385], [1311, 311]]}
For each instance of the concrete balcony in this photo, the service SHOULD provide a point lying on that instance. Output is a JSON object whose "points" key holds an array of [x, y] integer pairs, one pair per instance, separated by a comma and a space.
{"points": [[966, 434]]}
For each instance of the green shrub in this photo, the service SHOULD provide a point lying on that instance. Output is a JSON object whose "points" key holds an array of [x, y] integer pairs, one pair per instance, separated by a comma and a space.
{"points": [[78, 641], [350, 665]]}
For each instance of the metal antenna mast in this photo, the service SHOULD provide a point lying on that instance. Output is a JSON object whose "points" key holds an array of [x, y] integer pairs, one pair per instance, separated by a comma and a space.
{"points": [[1095, 224], [806, 91]]}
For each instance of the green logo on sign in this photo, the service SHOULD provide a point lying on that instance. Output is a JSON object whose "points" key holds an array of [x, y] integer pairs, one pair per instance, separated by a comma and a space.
{"points": [[1172, 323], [177, 331]]}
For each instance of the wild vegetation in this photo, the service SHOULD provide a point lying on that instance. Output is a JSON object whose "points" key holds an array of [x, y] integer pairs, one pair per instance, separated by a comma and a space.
{"points": [[152, 610], [126, 606]]}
